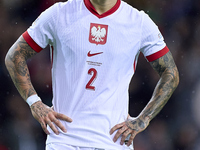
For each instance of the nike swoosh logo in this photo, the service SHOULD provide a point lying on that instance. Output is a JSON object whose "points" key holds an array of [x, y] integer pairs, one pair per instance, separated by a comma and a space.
{"points": [[93, 54]]}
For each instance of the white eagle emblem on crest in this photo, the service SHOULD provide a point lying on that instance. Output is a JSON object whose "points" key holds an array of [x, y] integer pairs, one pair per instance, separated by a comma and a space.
{"points": [[98, 34]]}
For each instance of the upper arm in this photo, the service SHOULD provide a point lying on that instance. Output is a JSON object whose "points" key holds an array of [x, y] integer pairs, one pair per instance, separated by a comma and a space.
{"points": [[165, 64], [36, 38], [20, 50]]}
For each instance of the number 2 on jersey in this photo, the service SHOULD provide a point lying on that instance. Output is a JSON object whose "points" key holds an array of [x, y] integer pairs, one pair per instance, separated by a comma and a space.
{"points": [[92, 72]]}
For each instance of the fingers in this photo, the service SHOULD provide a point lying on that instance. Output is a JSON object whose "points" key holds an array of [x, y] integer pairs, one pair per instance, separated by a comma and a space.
{"points": [[131, 139], [63, 117], [46, 116], [52, 120], [44, 127], [58, 124], [52, 126], [120, 132], [116, 127], [124, 131], [125, 135], [132, 126]]}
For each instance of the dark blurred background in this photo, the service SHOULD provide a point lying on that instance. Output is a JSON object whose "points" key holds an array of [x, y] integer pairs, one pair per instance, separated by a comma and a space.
{"points": [[177, 125]]}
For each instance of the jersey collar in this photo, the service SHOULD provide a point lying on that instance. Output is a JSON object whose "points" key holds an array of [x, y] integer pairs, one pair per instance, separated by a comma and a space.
{"points": [[91, 8]]}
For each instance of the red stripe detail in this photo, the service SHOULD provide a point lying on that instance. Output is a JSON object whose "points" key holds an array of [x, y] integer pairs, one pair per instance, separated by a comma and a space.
{"points": [[91, 8], [158, 54], [31, 42]]}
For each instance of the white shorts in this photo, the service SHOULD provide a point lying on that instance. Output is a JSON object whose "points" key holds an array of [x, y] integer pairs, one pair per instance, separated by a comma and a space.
{"points": [[59, 146]]}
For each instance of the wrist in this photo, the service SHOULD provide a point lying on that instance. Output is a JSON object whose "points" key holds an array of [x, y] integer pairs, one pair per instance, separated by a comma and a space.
{"points": [[145, 119], [33, 99]]}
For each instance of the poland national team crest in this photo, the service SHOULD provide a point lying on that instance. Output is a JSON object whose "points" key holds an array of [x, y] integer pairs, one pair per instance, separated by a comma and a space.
{"points": [[98, 33]]}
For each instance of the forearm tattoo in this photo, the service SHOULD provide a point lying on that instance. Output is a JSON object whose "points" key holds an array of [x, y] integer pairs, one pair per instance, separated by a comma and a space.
{"points": [[169, 79], [16, 64]]}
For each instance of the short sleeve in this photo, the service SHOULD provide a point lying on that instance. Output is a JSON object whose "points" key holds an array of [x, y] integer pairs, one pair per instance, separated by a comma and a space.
{"points": [[152, 41], [41, 32]]}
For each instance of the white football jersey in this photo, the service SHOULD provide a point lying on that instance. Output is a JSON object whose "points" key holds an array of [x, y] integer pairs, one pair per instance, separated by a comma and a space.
{"points": [[94, 58]]}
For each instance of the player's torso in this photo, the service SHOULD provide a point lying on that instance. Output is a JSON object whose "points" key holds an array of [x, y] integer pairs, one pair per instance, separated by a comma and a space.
{"points": [[96, 45], [94, 55], [93, 63]]}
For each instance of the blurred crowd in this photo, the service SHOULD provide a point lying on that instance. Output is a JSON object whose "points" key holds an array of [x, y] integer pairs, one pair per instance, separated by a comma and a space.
{"points": [[177, 125]]}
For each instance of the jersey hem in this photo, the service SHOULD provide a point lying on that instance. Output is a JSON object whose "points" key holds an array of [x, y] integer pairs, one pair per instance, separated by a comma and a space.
{"points": [[91, 146]]}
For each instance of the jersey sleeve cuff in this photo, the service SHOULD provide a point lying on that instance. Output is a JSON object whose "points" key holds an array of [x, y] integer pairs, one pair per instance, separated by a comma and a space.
{"points": [[31, 42], [158, 54]]}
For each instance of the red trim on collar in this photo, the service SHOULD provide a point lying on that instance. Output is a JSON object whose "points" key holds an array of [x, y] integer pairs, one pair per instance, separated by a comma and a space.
{"points": [[91, 8]]}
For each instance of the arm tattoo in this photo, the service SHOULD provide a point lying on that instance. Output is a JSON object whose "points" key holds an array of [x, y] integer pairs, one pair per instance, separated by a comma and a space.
{"points": [[169, 79], [16, 64]]}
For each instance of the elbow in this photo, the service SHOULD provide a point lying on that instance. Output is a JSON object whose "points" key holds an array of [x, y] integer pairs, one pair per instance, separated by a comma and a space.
{"points": [[8, 60], [171, 76], [176, 78]]}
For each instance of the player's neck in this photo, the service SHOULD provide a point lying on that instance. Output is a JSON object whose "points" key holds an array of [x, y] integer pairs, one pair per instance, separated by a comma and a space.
{"points": [[103, 6]]}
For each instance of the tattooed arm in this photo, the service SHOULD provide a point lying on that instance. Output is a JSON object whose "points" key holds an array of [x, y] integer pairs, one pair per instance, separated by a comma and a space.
{"points": [[169, 79], [168, 82], [16, 64]]}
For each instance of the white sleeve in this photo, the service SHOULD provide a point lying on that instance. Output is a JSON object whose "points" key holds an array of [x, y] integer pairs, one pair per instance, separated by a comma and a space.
{"points": [[42, 31], [152, 41]]}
